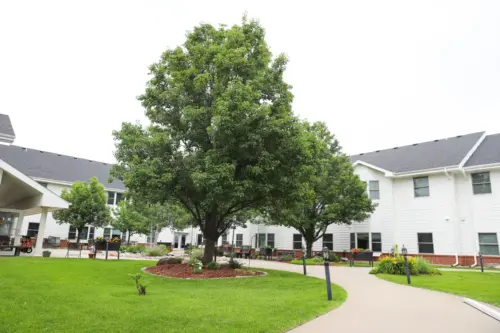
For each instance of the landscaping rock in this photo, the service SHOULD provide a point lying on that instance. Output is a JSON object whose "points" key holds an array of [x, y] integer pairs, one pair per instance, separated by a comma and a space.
{"points": [[169, 260]]}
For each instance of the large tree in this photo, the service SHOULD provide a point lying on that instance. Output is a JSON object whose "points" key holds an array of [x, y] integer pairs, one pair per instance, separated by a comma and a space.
{"points": [[222, 138], [331, 192], [88, 206]]}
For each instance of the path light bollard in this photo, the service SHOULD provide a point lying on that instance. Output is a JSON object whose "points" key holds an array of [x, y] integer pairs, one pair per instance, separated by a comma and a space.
{"points": [[304, 260], [404, 250], [326, 257], [481, 262]]}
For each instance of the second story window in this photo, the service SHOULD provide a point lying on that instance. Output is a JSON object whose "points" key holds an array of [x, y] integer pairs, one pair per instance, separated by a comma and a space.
{"points": [[111, 198], [374, 189], [481, 183], [421, 187]]}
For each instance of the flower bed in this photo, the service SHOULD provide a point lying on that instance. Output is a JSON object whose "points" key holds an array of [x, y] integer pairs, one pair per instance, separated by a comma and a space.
{"points": [[184, 271]]}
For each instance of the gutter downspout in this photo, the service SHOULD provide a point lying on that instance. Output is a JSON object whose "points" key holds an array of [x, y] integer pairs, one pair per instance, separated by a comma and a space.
{"points": [[475, 261], [456, 261]]}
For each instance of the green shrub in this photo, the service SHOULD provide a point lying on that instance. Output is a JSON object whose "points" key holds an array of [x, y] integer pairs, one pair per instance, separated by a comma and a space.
{"points": [[396, 266], [156, 251], [318, 260], [196, 254], [286, 257], [234, 264], [197, 266], [333, 257], [213, 265]]}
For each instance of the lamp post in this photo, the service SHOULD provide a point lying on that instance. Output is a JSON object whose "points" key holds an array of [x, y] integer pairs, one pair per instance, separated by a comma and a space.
{"points": [[404, 250], [481, 262], [326, 257], [304, 260]]}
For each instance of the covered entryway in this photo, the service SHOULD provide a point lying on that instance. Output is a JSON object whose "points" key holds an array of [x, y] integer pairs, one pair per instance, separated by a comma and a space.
{"points": [[21, 196]]}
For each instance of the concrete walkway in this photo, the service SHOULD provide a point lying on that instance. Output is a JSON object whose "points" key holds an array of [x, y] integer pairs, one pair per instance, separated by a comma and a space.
{"points": [[375, 305]]}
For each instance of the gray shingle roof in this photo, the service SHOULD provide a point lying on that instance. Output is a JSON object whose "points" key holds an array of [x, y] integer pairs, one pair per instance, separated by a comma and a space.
{"points": [[487, 152], [420, 156], [41, 164], [6, 126]]}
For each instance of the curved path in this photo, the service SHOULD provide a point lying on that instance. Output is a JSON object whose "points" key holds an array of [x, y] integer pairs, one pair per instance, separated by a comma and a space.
{"points": [[375, 305]]}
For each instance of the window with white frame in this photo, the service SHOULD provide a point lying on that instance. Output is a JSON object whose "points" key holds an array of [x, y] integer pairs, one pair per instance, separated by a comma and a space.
{"points": [[488, 244], [199, 241], [119, 198], [224, 238], [72, 232], [239, 240], [481, 183], [107, 233], [376, 242], [297, 241], [353, 240], [111, 198], [33, 229], [328, 241], [260, 240], [374, 190], [270, 240], [421, 186], [425, 242]]}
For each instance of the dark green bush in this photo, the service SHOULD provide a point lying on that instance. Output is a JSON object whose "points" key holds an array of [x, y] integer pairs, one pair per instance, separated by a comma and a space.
{"points": [[396, 266], [213, 265]]}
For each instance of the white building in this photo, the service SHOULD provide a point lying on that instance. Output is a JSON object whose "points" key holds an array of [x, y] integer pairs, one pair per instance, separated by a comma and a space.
{"points": [[440, 199]]}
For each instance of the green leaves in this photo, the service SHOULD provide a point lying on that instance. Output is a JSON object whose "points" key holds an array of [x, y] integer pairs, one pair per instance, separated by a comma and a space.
{"points": [[88, 205], [223, 139]]}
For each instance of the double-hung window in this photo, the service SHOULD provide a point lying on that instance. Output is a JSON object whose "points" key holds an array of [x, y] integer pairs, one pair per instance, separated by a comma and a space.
{"points": [[328, 241], [425, 243], [421, 186], [481, 183], [239, 240], [297, 241], [376, 242], [488, 244], [374, 190], [270, 240]]}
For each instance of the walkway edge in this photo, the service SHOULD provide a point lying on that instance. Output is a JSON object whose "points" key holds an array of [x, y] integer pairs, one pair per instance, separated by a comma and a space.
{"points": [[483, 308]]}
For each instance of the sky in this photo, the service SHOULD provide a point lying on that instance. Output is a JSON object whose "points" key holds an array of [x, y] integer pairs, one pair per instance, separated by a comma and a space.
{"points": [[380, 74]]}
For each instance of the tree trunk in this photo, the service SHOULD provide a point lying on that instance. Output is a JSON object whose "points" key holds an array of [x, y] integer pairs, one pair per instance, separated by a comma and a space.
{"points": [[208, 254], [309, 246], [128, 237], [79, 231]]}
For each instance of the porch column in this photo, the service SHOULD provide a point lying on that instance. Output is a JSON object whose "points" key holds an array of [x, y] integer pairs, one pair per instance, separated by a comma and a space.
{"points": [[17, 229], [41, 233]]}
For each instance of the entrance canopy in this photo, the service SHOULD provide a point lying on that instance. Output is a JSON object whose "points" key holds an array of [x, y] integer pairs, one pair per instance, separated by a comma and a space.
{"points": [[20, 193]]}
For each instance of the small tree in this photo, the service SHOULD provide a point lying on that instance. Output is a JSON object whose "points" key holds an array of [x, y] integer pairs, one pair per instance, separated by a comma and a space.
{"points": [[331, 192], [128, 219], [88, 206]]}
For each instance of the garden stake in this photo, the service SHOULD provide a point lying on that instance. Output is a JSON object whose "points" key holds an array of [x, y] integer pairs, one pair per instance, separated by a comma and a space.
{"points": [[481, 262], [407, 269], [326, 257]]}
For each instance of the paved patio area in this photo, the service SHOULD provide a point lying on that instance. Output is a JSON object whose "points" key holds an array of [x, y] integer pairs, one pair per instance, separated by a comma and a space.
{"points": [[375, 305]]}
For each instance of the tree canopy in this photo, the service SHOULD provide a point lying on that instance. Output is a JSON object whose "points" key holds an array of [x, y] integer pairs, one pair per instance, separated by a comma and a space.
{"points": [[88, 206], [223, 139], [331, 192], [129, 220]]}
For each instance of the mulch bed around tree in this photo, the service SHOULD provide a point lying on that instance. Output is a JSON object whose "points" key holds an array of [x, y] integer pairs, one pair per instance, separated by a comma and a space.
{"points": [[184, 271]]}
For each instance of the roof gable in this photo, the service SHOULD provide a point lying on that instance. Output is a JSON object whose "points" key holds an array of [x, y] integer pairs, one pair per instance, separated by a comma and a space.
{"points": [[422, 156], [41, 164], [487, 153], [7, 134]]}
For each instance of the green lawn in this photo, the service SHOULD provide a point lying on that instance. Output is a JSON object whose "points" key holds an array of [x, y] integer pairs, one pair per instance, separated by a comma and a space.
{"points": [[81, 295], [311, 261], [477, 268], [483, 287]]}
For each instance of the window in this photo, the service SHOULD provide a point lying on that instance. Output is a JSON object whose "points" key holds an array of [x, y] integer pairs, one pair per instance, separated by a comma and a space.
{"points": [[363, 240], [374, 189], [481, 183], [85, 233], [260, 241], [353, 240], [116, 233], [111, 198], [107, 233], [72, 233], [425, 244], [328, 241], [270, 240], [239, 240], [200, 239], [488, 244], [33, 229], [91, 233], [297, 241], [421, 186], [119, 197], [376, 242], [224, 238]]}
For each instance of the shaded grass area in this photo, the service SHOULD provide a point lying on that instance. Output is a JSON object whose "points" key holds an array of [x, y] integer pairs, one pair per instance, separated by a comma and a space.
{"points": [[484, 287], [80, 295]]}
